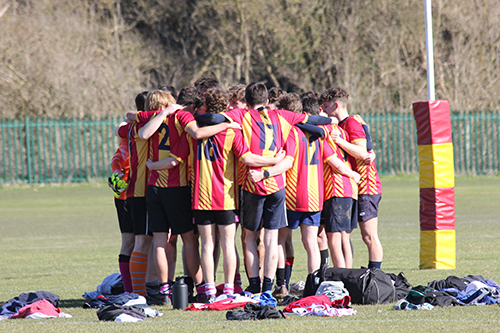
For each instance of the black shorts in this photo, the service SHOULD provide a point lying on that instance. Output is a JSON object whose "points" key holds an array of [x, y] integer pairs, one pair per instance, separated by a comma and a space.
{"points": [[137, 206], [219, 217], [124, 216], [368, 206], [340, 214], [170, 208], [268, 211]]}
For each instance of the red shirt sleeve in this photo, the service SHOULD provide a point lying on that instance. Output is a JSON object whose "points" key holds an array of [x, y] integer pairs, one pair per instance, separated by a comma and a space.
{"points": [[240, 147], [293, 117], [116, 161], [291, 145], [354, 129], [123, 131], [185, 118], [180, 151], [328, 151], [235, 115], [145, 116]]}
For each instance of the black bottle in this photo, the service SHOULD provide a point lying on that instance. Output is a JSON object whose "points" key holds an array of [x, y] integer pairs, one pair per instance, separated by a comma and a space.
{"points": [[180, 294]]}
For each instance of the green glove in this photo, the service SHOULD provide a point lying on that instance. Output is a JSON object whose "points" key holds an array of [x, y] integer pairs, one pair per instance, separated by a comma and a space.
{"points": [[117, 184]]}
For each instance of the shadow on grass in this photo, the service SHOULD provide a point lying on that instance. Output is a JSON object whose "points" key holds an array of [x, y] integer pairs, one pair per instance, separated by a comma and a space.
{"points": [[72, 303]]}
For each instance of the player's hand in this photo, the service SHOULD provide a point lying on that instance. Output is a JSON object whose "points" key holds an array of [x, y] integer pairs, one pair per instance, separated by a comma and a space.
{"points": [[170, 109], [280, 155], [117, 184], [234, 125], [149, 164], [130, 116], [335, 135], [256, 176], [357, 177], [370, 157]]}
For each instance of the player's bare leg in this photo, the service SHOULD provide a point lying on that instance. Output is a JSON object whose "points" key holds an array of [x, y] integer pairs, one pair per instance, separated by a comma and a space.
{"points": [[310, 241]]}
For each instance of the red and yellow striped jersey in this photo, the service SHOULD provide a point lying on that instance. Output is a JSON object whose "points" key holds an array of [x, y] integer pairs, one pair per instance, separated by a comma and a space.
{"points": [[120, 163], [138, 151], [145, 116], [215, 168], [265, 132], [170, 134], [304, 180], [370, 181], [337, 185]]}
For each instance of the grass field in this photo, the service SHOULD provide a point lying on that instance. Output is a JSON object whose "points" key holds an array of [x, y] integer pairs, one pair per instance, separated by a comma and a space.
{"points": [[65, 239]]}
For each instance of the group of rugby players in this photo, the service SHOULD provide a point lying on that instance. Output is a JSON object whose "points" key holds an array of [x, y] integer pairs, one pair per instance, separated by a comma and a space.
{"points": [[199, 161]]}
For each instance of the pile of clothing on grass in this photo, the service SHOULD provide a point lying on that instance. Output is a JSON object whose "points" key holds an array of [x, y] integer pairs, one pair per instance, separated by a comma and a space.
{"points": [[33, 305], [116, 305], [373, 286], [469, 290], [327, 292]]}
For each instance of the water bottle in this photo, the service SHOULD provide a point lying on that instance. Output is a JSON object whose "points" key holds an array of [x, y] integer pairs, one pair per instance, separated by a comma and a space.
{"points": [[180, 294]]}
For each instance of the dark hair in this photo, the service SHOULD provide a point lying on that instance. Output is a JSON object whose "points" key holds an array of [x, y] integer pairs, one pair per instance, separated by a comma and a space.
{"points": [[310, 106], [216, 100], [189, 96], [290, 102], [335, 94], [140, 101], [275, 94], [256, 93], [310, 93], [237, 93], [205, 83], [169, 89]]}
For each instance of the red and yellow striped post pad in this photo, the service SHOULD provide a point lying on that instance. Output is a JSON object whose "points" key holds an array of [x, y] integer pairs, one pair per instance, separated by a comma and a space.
{"points": [[437, 185]]}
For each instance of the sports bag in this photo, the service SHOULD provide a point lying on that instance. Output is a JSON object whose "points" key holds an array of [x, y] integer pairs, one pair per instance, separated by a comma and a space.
{"points": [[365, 286]]}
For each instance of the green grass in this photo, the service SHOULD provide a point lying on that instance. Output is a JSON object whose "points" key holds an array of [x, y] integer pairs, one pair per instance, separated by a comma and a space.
{"points": [[65, 239]]}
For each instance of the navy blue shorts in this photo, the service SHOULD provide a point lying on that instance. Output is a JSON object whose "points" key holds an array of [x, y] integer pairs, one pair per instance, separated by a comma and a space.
{"points": [[139, 213], [295, 218], [368, 206], [340, 214], [169, 208], [219, 217], [268, 211], [124, 216]]}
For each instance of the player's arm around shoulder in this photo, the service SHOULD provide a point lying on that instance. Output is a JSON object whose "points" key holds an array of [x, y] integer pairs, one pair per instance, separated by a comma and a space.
{"points": [[355, 148]]}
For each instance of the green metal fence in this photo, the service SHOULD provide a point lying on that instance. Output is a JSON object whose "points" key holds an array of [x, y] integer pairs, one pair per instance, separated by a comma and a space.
{"points": [[74, 150], [56, 150]]}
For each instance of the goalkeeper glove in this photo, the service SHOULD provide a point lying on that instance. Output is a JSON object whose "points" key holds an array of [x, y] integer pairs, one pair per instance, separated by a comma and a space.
{"points": [[117, 184]]}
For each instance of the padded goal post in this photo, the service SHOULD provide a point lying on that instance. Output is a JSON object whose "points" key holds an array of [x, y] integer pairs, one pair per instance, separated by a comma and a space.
{"points": [[437, 185]]}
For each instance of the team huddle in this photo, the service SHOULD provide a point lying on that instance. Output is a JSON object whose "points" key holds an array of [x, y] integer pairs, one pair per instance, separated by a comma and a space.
{"points": [[199, 162]]}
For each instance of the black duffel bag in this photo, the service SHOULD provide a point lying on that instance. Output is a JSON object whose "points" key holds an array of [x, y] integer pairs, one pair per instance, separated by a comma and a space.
{"points": [[365, 286]]}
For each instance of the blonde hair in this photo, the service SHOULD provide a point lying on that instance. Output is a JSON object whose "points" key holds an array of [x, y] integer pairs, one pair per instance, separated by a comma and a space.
{"points": [[158, 99]]}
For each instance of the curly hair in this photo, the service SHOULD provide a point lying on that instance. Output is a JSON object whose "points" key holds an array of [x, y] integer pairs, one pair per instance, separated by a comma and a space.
{"points": [[310, 93], [216, 100], [205, 83], [335, 94], [190, 96], [237, 93], [275, 94], [290, 102], [158, 99]]}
